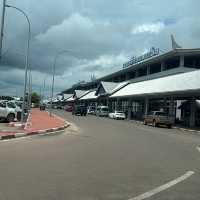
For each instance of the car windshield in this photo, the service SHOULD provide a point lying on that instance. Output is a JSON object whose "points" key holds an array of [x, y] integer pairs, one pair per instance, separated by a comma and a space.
{"points": [[161, 113], [11, 105], [104, 109], [120, 112]]}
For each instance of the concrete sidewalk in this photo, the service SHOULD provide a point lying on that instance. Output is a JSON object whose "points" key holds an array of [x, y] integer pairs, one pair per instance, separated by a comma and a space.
{"points": [[38, 122]]}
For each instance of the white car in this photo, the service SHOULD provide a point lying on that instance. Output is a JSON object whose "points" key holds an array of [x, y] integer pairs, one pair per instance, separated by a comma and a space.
{"points": [[16, 105], [91, 110], [7, 111], [102, 111], [117, 115]]}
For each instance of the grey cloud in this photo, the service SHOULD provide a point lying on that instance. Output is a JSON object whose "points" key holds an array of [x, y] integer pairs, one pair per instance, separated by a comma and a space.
{"points": [[96, 31]]}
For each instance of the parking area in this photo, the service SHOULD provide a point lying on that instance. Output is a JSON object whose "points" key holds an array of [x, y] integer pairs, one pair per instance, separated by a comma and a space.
{"points": [[101, 158]]}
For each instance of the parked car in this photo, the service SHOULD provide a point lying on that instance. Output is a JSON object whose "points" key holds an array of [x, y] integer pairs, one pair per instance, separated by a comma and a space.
{"points": [[8, 111], [117, 115], [59, 106], [157, 118], [102, 111], [42, 106], [79, 110], [91, 110], [68, 108]]}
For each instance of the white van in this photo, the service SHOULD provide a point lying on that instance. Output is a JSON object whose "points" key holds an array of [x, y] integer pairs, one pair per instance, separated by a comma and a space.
{"points": [[102, 111]]}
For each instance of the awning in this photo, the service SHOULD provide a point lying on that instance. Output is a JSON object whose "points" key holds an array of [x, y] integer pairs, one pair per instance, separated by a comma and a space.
{"points": [[174, 84]]}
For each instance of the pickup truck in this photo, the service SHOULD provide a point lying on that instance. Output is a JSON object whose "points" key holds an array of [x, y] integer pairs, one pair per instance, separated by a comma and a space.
{"points": [[158, 118]]}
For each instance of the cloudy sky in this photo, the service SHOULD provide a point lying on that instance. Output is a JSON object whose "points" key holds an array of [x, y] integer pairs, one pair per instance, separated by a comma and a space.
{"points": [[100, 36]]}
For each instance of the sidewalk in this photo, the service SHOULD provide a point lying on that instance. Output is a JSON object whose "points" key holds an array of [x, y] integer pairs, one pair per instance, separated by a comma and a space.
{"points": [[38, 122]]}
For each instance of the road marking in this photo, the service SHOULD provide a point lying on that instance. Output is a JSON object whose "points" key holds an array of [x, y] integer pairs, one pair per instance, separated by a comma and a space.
{"points": [[198, 148], [163, 187]]}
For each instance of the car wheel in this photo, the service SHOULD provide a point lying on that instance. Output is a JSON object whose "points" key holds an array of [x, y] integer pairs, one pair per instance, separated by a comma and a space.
{"points": [[169, 126], [10, 117], [145, 122], [154, 123]]}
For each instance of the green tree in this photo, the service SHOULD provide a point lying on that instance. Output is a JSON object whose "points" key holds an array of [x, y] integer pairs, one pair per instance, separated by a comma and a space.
{"points": [[35, 98]]}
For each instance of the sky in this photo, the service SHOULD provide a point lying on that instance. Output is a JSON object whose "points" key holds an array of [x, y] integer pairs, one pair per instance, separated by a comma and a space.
{"points": [[98, 36]]}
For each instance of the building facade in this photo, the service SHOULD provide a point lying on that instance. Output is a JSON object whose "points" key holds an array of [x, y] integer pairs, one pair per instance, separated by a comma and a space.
{"points": [[152, 70]]}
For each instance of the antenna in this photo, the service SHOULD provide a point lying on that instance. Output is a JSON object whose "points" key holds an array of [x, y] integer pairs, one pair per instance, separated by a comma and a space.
{"points": [[175, 45]]}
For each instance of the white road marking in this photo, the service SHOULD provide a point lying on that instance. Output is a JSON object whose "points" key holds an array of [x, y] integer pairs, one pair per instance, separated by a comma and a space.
{"points": [[198, 148], [163, 187]]}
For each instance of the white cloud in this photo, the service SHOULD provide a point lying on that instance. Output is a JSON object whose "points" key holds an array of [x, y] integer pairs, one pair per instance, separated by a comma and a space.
{"points": [[148, 28]]}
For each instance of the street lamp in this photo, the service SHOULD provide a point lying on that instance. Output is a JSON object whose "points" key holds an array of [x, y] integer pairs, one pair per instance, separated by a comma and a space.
{"points": [[27, 56], [30, 89], [2, 26], [44, 85], [53, 77]]}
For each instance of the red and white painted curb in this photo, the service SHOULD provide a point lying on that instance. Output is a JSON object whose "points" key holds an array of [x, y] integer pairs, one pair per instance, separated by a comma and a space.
{"points": [[10, 135]]}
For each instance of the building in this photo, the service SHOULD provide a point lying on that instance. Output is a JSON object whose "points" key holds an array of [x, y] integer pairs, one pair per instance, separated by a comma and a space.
{"points": [[152, 81]]}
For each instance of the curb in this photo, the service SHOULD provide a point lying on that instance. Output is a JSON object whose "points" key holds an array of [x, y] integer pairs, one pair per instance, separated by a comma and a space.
{"points": [[186, 130], [173, 127], [24, 134]]}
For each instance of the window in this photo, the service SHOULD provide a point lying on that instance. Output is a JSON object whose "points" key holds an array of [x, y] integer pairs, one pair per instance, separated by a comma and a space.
{"points": [[104, 109], [11, 105], [3, 105], [160, 113]]}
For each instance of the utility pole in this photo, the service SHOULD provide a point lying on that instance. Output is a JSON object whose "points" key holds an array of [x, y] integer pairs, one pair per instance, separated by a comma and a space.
{"points": [[2, 26]]}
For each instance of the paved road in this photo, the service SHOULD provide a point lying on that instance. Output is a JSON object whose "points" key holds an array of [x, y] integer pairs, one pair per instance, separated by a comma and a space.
{"points": [[100, 159]]}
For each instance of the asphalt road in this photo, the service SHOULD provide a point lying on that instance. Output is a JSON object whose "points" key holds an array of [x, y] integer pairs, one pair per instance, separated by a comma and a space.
{"points": [[100, 159]]}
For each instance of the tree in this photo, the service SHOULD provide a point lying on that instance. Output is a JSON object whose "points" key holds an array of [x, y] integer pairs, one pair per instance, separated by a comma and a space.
{"points": [[35, 98]]}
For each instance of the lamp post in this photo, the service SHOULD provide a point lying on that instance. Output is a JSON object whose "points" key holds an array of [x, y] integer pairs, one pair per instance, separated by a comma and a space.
{"points": [[44, 85], [53, 77], [30, 89], [2, 26], [27, 56]]}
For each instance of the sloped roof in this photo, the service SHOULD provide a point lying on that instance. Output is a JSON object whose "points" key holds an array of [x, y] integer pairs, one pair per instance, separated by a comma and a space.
{"points": [[70, 99], [79, 93], [67, 96], [110, 87], [90, 95], [183, 82]]}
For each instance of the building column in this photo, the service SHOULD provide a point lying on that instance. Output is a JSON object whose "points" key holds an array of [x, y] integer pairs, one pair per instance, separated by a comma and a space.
{"points": [[107, 101], [129, 109], [117, 104], [171, 109], [148, 69], [127, 76], [162, 66], [136, 73], [192, 113], [181, 63], [146, 106]]}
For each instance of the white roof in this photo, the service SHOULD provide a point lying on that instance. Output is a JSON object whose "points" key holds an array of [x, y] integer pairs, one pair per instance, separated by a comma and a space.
{"points": [[111, 87], [80, 93], [90, 95], [176, 83], [119, 86], [70, 99], [67, 96]]}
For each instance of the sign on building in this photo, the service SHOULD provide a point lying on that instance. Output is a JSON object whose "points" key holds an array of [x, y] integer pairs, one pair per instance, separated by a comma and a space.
{"points": [[153, 52]]}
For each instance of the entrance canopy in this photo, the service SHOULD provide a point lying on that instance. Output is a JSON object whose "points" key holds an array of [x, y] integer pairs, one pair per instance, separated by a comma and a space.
{"points": [[185, 83]]}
